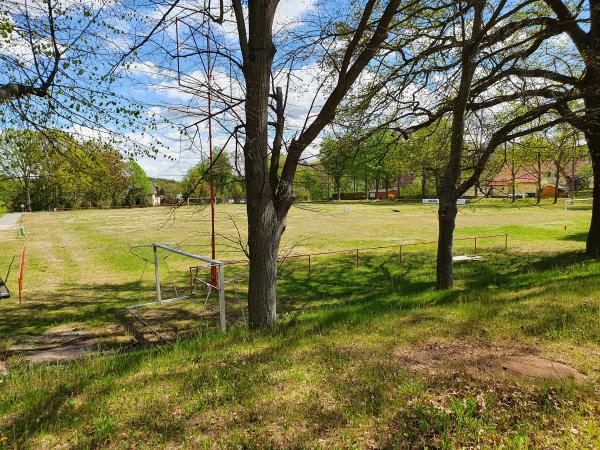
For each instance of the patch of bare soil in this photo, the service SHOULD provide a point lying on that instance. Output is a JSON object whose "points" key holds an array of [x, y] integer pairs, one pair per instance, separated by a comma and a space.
{"points": [[484, 359], [65, 344]]}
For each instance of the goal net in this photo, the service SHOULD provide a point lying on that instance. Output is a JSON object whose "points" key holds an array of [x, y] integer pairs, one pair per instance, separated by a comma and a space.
{"points": [[182, 292]]}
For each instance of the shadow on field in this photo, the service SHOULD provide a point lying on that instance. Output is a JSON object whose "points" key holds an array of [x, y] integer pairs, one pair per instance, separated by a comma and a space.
{"points": [[578, 237], [239, 379]]}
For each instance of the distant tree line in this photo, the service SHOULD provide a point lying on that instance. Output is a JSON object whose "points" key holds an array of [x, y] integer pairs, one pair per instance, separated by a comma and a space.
{"points": [[351, 165], [52, 169]]}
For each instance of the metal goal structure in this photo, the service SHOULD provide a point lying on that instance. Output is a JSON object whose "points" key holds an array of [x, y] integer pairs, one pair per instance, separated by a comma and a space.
{"points": [[573, 204], [201, 262]]}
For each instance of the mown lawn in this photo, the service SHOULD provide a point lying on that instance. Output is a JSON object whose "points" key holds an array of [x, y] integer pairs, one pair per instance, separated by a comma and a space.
{"points": [[367, 357]]}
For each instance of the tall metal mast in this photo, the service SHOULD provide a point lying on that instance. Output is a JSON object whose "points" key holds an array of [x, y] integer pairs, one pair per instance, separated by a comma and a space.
{"points": [[213, 269]]}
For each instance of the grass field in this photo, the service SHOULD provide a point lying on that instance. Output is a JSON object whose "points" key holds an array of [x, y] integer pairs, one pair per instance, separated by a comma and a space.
{"points": [[362, 357]]}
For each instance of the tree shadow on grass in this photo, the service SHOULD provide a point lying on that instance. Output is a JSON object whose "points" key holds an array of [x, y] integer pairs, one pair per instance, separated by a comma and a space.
{"points": [[578, 237], [221, 374]]}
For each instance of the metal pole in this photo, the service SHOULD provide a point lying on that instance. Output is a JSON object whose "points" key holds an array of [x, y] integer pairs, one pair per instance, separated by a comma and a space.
{"points": [[475, 244], [213, 269], [566, 214], [506, 242], [222, 297], [156, 273]]}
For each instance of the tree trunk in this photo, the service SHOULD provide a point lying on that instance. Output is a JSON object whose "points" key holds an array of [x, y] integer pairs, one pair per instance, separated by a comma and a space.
{"points": [[27, 194], [592, 136], [423, 185], [448, 184], [557, 165], [446, 222], [539, 178], [264, 234], [264, 226], [337, 187], [592, 247], [514, 175]]}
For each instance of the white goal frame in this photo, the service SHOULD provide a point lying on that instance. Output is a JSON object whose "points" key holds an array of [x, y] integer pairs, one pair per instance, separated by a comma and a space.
{"points": [[200, 201], [209, 263], [572, 201]]}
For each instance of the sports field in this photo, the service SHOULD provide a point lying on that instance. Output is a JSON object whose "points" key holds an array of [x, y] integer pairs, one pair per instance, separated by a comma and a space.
{"points": [[368, 356]]}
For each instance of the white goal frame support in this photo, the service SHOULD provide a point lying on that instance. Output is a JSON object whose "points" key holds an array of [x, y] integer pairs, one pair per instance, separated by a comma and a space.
{"points": [[211, 262], [572, 201]]}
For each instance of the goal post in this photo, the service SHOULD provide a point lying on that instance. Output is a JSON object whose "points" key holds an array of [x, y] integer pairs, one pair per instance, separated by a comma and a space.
{"points": [[209, 262], [571, 202], [197, 201]]}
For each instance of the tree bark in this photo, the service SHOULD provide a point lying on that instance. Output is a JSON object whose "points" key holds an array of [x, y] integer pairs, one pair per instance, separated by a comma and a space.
{"points": [[264, 228], [592, 137], [592, 246], [514, 175], [448, 184], [423, 185], [446, 223], [557, 175], [539, 178]]}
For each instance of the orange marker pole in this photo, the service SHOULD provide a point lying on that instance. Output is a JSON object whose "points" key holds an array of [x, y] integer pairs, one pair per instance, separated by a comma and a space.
{"points": [[21, 267]]}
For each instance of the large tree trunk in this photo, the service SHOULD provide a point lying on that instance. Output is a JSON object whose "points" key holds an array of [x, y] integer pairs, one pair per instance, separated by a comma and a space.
{"points": [[448, 184], [592, 247], [264, 229], [446, 222], [592, 137], [264, 235]]}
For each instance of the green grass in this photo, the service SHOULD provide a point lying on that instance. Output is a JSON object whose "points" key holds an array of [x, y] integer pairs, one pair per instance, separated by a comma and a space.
{"points": [[334, 372]]}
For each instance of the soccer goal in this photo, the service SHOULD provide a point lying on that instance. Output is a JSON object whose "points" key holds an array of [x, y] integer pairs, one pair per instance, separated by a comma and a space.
{"points": [[172, 282], [576, 204], [198, 201]]}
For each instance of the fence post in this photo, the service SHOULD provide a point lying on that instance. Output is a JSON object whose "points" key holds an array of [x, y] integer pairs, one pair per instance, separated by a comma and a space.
{"points": [[222, 297], [475, 244], [357, 258], [400, 254], [506, 241], [309, 268]]}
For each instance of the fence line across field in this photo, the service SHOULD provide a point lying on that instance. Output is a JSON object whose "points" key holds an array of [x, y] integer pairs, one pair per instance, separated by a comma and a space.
{"points": [[381, 247]]}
